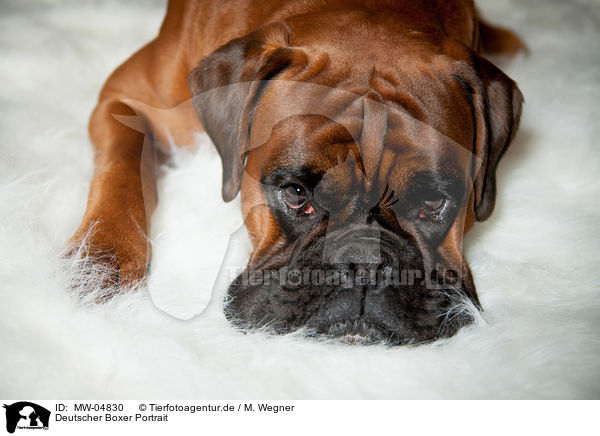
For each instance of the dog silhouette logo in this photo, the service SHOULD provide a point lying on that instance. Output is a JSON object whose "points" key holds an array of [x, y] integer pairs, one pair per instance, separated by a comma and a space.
{"points": [[26, 415]]}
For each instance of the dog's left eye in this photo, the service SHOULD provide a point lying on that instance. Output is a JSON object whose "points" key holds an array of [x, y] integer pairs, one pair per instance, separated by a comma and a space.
{"points": [[432, 205], [296, 199]]}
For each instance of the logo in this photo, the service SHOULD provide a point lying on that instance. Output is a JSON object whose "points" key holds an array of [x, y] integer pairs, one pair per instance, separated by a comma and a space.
{"points": [[26, 415]]}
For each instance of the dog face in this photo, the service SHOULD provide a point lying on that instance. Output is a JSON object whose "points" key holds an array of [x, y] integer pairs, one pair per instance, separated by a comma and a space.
{"points": [[358, 178]]}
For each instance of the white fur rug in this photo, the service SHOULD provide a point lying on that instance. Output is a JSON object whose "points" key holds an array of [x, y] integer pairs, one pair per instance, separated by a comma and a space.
{"points": [[536, 261]]}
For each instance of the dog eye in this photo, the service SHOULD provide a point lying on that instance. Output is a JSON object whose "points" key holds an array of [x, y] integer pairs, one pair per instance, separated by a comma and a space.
{"points": [[296, 198], [433, 204]]}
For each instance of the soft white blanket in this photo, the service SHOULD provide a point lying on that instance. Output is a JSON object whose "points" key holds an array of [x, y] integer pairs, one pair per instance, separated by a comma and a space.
{"points": [[535, 262]]}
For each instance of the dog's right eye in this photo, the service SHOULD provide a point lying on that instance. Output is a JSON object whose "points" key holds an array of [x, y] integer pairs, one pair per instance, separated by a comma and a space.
{"points": [[295, 196], [296, 199]]}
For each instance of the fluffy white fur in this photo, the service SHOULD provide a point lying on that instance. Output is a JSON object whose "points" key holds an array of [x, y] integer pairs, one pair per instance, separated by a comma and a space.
{"points": [[535, 262]]}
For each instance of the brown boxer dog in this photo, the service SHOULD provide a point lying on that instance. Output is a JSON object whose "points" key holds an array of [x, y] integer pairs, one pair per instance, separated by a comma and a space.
{"points": [[364, 137]]}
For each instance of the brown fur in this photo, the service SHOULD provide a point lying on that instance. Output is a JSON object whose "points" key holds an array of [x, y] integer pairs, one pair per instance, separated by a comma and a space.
{"points": [[123, 191]]}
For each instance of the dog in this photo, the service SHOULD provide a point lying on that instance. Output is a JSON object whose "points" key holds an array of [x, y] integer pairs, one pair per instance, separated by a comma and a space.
{"points": [[364, 137]]}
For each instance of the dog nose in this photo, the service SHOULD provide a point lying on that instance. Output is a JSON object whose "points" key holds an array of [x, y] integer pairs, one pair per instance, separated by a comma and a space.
{"points": [[363, 254]]}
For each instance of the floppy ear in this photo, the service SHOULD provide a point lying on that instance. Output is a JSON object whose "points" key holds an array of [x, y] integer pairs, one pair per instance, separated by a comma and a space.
{"points": [[497, 104], [226, 86]]}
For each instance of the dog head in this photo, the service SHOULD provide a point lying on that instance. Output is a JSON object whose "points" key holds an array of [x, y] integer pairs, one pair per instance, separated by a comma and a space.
{"points": [[362, 159]]}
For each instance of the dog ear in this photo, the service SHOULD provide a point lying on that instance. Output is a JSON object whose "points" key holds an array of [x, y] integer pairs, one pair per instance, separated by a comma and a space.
{"points": [[497, 105], [226, 86]]}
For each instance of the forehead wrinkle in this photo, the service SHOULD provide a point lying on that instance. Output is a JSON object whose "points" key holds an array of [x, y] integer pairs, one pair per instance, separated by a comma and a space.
{"points": [[372, 136], [398, 167], [319, 151], [385, 169]]}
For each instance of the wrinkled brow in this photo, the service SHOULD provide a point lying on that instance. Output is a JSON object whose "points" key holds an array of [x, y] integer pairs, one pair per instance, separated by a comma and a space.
{"points": [[431, 181]]}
